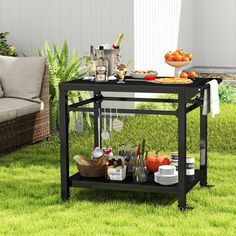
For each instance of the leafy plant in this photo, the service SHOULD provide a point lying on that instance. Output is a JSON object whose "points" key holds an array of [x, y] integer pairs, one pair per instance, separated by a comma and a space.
{"points": [[5, 48], [226, 93], [63, 68]]}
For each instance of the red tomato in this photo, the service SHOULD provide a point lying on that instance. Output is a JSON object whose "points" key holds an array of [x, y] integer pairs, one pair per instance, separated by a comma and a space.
{"points": [[149, 78]]}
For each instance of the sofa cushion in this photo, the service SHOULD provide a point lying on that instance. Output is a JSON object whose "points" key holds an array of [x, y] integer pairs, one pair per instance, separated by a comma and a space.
{"points": [[1, 91], [21, 77], [11, 108]]}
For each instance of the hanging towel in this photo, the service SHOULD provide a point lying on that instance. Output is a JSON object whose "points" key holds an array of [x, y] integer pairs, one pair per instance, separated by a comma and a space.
{"points": [[211, 99]]}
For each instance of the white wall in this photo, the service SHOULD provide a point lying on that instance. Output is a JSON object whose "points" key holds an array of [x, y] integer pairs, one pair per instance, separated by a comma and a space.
{"points": [[204, 27], [152, 27], [161, 26], [80, 22], [215, 28]]}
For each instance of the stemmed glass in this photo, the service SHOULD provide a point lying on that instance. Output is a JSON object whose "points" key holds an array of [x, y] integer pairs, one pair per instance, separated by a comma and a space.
{"points": [[90, 67]]}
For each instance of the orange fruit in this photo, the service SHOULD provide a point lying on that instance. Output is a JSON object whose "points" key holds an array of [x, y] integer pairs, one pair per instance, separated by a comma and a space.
{"points": [[175, 54], [178, 58], [167, 55], [190, 56], [183, 75], [185, 58], [192, 74], [180, 52], [170, 58]]}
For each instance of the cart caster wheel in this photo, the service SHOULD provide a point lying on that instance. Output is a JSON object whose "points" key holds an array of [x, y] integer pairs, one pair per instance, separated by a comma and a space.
{"points": [[207, 185], [186, 208]]}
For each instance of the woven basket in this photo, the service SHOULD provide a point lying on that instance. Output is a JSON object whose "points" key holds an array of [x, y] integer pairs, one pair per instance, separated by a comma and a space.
{"points": [[92, 171], [97, 168]]}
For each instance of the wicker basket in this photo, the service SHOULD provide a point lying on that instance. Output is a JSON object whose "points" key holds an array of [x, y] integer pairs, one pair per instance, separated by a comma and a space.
{"points": [[91, 171], [96, 168]]}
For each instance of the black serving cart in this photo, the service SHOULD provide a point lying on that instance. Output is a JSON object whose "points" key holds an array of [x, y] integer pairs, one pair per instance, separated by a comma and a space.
{"points": [[190, 97]]}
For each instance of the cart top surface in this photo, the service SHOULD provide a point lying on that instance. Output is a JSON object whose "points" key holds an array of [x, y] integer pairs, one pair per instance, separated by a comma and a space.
{"points": [[135, 85]]}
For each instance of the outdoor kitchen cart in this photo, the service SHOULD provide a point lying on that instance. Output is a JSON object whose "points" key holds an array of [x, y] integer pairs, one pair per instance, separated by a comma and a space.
{"points": [[186, 100]]}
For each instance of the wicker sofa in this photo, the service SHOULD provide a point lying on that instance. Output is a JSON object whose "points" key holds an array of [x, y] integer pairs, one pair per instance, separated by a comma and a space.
{"points": [[28, 128]]}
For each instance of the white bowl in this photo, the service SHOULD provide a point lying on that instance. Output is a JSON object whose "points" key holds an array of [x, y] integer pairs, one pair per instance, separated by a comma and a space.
{"points": [[167, 170], [177, 64], [142, 75], [166, 179]]}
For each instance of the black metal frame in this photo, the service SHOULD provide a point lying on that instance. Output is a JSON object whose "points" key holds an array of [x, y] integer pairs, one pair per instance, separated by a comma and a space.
{"points": [[186, 93]]}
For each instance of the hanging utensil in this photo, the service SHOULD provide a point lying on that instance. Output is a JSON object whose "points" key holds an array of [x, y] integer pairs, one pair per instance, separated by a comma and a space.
{"points": [[117, 124], [105, 134], [99, 128], [110, 123]]}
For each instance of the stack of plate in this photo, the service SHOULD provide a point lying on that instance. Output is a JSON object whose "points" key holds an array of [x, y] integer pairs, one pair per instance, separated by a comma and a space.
{"points": [[167, 175]]}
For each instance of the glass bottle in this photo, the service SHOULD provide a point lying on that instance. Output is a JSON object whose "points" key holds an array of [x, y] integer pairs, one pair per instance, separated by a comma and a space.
{"points": [[116, 45], [92, 63], [101, 67]]}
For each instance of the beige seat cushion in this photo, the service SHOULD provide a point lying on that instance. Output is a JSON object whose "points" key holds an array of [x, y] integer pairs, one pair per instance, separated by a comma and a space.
{"points": [[21, 77], [11, 108]]}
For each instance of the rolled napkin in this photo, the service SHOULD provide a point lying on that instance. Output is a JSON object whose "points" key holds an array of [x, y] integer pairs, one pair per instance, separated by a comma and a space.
{"points": [[211, 99]]}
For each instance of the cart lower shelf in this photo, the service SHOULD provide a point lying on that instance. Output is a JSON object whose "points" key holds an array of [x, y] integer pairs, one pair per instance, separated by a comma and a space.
{"points": [[128, 185]]}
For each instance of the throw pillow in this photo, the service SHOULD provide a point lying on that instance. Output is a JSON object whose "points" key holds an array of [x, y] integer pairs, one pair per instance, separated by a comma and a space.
{"points": [[21, 77]]}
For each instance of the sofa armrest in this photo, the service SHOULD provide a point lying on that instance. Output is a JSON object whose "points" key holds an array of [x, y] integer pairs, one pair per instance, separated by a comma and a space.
{"points": [[44, 94]]}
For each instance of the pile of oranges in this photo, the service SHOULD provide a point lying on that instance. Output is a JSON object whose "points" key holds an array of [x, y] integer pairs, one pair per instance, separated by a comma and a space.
{"points": [[178, 55]]}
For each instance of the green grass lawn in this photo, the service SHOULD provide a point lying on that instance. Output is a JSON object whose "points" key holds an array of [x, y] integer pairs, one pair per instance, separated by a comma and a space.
{"points": [[30, 201]]}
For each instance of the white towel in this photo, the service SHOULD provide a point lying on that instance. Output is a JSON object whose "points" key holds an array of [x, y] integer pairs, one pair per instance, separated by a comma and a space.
{"points": [[211, 99]]}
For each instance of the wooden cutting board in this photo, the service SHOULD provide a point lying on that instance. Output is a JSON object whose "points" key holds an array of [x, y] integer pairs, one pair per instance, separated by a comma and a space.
{"points": [[173, 81]]}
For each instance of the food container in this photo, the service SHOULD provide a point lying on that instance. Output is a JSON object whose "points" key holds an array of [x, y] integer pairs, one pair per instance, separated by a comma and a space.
{"points": [[91, 168], [108, 152], [190, 170], [117, 173]]}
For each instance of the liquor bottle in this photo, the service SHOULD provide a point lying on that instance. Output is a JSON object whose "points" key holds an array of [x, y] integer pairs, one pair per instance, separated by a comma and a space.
{"points": [[118, 41], [101, 67], [92, 62]]}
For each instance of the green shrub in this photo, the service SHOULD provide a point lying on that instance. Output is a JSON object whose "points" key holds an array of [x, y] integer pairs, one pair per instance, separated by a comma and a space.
{"points": [[5, 48], [158, 106], [161, 132], [63, 68], [226, 93]]}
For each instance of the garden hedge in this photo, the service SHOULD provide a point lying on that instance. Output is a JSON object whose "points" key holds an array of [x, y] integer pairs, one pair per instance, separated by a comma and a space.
{"points": [[161, 132]]}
